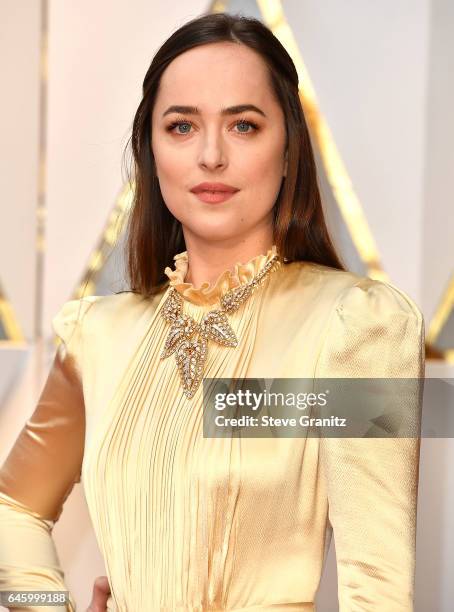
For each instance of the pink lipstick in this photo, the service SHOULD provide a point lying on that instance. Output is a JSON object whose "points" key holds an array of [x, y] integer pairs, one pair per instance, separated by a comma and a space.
{"points": [[213, 192]]}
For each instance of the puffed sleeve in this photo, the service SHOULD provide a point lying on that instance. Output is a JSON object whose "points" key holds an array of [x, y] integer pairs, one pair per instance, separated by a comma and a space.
{"points": [[42, 467], [375, 331]]}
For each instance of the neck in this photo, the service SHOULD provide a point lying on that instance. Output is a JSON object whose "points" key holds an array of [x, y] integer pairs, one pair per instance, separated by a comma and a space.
{"points": [[208, 260]]}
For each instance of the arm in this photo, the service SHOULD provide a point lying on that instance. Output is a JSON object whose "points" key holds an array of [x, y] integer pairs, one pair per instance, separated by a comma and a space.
{"points": [[372, 483], [41, 470]]}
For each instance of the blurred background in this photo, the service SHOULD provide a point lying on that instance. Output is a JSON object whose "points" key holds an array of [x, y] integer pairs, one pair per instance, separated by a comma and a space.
{"points": [[377, 88]]}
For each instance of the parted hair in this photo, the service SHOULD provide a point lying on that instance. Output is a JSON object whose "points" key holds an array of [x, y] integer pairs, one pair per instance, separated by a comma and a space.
{"points": [[153, 234]]}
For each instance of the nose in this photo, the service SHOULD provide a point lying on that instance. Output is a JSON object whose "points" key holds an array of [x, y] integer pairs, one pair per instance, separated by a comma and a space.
{"points": [[212, 155]]}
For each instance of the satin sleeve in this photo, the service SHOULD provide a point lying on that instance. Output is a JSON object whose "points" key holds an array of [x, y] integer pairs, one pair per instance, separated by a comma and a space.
{"points": [[375, 331], [42, 467]]}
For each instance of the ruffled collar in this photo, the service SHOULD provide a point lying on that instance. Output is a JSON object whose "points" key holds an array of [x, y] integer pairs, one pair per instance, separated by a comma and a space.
{"points": [[206, 294]]}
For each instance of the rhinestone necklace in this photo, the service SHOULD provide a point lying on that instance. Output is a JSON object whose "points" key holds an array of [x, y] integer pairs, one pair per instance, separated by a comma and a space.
{"points": [[191, 353]]}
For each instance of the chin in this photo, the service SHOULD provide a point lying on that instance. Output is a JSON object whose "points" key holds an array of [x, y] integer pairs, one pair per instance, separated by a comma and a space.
{"points": [[214, 232]]}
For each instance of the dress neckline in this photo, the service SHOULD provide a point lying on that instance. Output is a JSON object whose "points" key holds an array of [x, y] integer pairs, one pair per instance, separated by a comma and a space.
{"points": [[207, 294]]}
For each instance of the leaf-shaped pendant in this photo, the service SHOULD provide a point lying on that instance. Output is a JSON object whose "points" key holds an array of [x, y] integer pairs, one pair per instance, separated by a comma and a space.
{"points": [[191, 357], [233, 299], [215, 325], [173, 306], [182, 327]]}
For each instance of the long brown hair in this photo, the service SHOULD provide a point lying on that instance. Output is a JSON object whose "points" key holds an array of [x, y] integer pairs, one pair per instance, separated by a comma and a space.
{"points": [[154, 235]]}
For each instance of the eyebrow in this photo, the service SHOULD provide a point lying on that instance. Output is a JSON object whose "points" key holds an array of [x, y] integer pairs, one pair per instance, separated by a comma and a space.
{"points": [[230, 110]]}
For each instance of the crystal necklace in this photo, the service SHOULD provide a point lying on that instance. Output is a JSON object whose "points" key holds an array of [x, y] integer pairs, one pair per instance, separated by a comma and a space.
{"points": [[191, 353]]}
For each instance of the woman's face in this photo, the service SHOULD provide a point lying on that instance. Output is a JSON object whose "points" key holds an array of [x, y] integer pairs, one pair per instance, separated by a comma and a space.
{"points": [[245, 149]]}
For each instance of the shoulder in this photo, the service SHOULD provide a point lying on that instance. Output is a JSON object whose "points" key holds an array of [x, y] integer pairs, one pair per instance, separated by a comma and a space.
{"points": [[70, 316], [81, 314], [117, 306], [96, 325], [352, 294], [376, 300], [373, 328]]}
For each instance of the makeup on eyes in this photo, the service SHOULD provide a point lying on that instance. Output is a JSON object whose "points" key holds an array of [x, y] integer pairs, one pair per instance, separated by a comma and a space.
{"points": [[243, 120]]}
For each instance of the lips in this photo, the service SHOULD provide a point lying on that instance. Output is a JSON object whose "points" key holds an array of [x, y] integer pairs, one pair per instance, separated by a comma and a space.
{"points": [[214, 188]]}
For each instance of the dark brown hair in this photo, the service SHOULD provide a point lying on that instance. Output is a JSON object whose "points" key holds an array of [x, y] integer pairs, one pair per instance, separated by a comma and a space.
{"points": [[154, 235]]}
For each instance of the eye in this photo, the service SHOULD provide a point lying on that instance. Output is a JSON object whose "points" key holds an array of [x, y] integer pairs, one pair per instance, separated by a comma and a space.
{"points": [[245, 122], [175, 124], [187, 125]]}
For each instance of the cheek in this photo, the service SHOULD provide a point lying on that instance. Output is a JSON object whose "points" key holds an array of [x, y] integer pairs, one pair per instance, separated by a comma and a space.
{"points": [[263, 172], [171, 164], [173, 169]]}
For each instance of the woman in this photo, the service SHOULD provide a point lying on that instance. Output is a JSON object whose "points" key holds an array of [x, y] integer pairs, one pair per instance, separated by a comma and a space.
{"points": [[233, 275]]}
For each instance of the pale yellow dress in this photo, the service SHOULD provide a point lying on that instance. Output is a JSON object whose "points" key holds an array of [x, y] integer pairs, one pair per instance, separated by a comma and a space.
{"points": [[193, 523]]}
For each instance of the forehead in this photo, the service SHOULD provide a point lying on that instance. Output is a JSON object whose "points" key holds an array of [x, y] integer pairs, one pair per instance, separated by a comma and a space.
{"points": [[215, 75]]}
